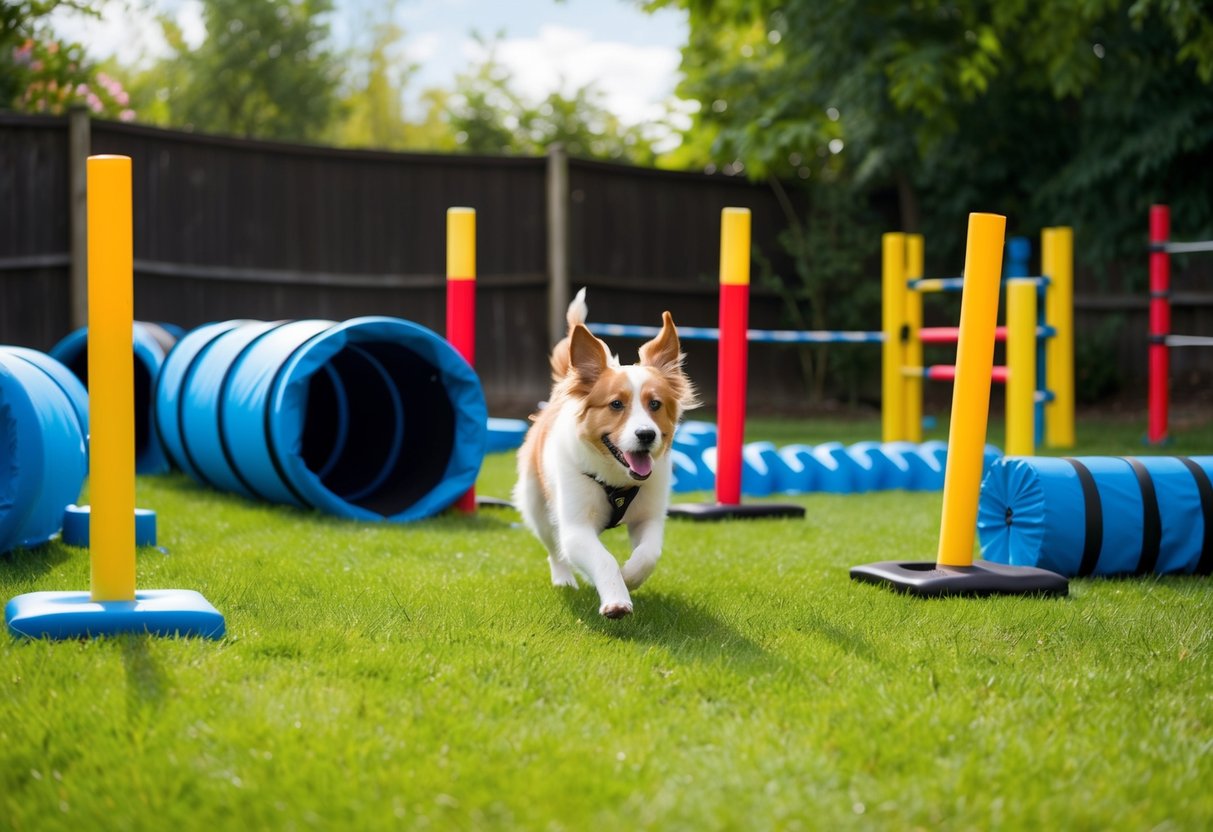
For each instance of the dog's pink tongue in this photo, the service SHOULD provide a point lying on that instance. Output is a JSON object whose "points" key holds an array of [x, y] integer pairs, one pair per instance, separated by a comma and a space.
{"points": [[641, 464]]}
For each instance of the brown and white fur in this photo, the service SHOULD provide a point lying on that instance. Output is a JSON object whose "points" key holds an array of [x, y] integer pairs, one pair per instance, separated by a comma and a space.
{"points": [[605, 423]]}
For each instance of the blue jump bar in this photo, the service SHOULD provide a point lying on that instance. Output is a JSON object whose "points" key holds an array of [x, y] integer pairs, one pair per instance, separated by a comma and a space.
{"points": [[956, 284], [770, 336]]}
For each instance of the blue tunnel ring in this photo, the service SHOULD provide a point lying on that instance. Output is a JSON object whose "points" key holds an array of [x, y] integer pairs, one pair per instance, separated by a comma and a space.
{"points": [[374, 418]]}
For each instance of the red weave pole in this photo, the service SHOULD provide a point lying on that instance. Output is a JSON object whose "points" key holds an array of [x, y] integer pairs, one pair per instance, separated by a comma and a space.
{"points": [[461, 317], [947, 372], [951, 334], [1160, 323], [731, 388], [461, 333]]}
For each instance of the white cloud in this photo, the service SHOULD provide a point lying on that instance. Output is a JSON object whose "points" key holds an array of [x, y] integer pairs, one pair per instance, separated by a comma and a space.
{"points": [[635, 80], [133, 35]]}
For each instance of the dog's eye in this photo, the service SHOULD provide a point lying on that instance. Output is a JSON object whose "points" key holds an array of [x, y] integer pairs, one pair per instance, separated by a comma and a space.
{"points": [[654, 404], [616, 405]]}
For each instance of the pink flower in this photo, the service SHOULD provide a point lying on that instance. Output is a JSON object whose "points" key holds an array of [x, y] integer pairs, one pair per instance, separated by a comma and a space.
{"points": [[126, 115], [82, 90], [122, 97], [94, 103]]}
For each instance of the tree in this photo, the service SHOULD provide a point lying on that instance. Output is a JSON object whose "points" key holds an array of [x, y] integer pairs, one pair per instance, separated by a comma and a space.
{"points": [[487, 115], [40, 73], [1048, 111], [266, 69]]}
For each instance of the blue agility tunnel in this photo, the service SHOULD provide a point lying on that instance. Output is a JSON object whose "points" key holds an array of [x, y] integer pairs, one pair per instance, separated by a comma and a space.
{"points": [[43, 454], [1099, 515], [152, 344], [374, 418]]}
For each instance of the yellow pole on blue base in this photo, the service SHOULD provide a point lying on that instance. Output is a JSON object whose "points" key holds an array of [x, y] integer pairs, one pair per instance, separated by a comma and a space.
{"points": [[893, 292], [1021, 367], [111, 379], [971, 390], [913, 345]]}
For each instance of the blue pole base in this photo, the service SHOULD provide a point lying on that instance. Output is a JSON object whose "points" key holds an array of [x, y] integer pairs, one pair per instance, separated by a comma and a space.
{"points": [[76, 524], [74, 615]]}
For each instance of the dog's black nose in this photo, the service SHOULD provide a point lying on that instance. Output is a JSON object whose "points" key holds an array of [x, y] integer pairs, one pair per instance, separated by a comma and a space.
{"points": [[646, 436]]}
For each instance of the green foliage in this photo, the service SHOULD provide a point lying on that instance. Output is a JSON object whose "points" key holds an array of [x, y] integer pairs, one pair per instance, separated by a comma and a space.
{"points": [[488, 115], [1096, 361], [265, 70], [1052, 113], [40, 73], [374, 107], [835, 285]]}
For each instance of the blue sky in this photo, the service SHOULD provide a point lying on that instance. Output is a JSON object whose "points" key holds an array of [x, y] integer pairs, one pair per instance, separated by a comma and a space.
{"points": [[631, 56]]}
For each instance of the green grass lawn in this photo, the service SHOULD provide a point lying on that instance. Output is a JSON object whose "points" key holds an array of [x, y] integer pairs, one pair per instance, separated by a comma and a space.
{"points": [[427, 676]]}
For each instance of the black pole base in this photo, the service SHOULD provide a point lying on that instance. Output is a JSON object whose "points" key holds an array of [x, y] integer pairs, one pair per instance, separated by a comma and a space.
{"points": [[929, 580], [492, 502], [721, 511]]}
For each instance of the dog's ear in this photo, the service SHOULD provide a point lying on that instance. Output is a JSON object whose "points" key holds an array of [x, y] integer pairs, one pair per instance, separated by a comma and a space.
{"points": [[587, 357], [663, 352]]}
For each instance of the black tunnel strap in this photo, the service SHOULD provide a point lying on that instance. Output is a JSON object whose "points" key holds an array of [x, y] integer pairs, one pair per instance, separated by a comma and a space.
{"points": [[1205, 488], [1151, 522], [1092, 518]]}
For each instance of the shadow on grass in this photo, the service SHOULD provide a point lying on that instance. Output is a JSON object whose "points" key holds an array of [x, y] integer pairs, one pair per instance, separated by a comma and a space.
{"points": [[27, 564], [146, 682], [689, 631]]}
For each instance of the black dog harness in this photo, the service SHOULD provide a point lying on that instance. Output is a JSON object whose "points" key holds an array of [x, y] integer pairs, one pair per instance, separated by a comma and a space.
{"points": [[619, 500]]}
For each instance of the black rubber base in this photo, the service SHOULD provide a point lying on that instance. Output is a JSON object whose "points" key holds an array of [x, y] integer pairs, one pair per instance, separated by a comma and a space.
{"points": [[929, 580], [747, 511], [492, 502]]}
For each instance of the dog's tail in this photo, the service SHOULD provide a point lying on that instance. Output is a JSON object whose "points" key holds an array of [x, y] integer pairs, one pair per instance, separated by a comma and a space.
{"points": [[578, 310]]}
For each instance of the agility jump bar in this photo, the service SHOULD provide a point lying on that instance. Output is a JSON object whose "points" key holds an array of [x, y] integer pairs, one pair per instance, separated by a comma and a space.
{"points": [[951, 334], [956, 284], [769, 336]]}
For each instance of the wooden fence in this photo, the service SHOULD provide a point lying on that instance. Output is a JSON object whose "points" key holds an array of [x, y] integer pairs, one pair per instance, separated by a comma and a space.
{"points": [[228, 228]]}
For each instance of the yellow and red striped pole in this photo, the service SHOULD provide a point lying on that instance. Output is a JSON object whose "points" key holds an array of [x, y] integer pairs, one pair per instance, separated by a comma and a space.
{"points": [[971, 391], [461, 299], [111, 379], [731, 378]]}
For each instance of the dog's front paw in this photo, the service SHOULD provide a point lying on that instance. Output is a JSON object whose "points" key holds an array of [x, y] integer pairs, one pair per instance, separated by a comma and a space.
{"points": [[636, 571], [615, 610]]}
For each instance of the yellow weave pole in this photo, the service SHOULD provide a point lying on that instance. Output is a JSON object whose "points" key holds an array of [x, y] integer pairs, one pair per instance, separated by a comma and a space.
{"points": [[111, 379], [971, 390], [913, 344], [893, 292], [1057, 261], [1021, 367]]}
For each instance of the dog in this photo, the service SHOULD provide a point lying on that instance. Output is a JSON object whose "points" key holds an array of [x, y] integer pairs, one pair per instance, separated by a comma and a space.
{"points": [[598, 455]]}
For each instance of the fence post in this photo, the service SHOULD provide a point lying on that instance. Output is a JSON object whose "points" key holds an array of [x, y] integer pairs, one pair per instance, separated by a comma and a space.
{"points": [[558, 240], [79, 142]]}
